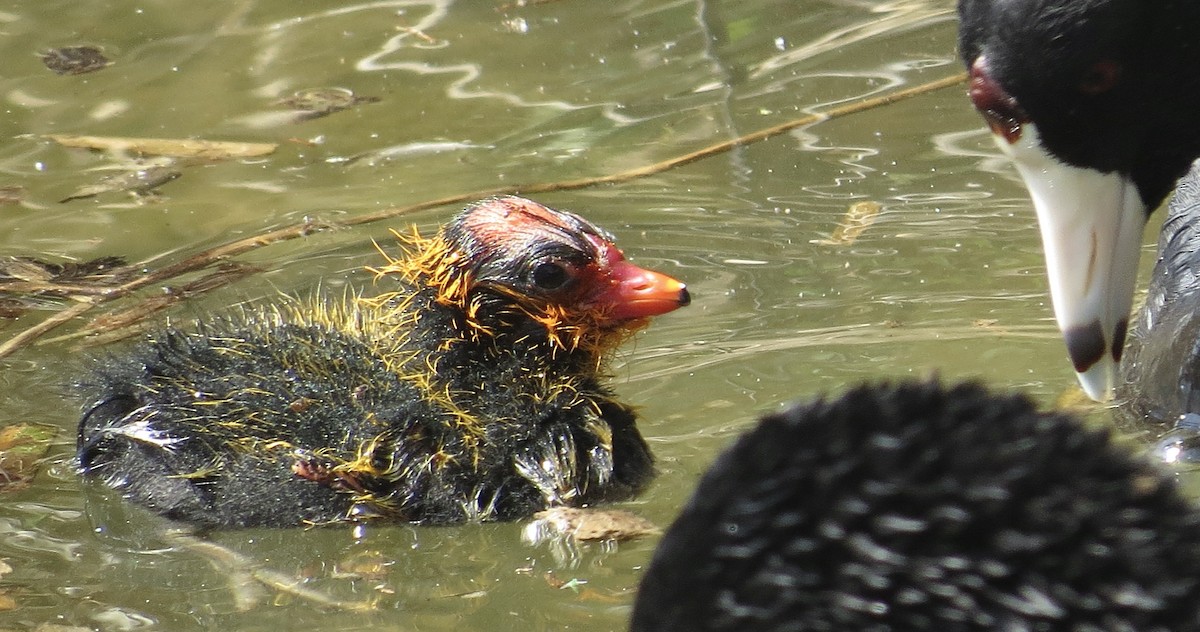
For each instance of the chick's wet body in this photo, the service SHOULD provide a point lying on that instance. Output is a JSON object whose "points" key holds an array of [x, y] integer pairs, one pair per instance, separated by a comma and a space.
{"points": [[461, 395]]}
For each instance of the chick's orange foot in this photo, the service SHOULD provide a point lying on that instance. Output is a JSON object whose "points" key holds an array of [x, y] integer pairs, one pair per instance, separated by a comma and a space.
{"points": [[474, 389]]}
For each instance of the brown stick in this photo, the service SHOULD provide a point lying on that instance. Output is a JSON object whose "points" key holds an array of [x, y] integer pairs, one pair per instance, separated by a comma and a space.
{"points": [[213, 255], [23, 339]]}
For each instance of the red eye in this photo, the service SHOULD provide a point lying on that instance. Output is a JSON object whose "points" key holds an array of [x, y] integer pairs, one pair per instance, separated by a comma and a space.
{"points": [[1100, 78], [999, 109]]}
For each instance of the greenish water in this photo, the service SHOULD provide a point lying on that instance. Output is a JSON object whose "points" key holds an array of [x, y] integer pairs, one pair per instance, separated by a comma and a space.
{"points": [[473, 96]]}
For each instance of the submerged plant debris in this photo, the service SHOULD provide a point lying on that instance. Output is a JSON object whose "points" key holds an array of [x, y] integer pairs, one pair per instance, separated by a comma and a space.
{"points": [[405, 150], [75, 60], [858, 219], [26, 281], [145, 164], [32, 275], [141, 182], [22, 447], [318, 102], [118, 325], [520, 4], [7, 602], [31, 269], [249, 582]]}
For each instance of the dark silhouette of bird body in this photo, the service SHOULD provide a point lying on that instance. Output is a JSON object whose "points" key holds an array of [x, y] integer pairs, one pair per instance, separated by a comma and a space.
{"points": [[473, 391], [919, 507], [1160, 375]]}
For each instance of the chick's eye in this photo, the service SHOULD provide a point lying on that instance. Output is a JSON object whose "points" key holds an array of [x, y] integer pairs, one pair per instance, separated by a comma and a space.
{"points": [[550, 276]]}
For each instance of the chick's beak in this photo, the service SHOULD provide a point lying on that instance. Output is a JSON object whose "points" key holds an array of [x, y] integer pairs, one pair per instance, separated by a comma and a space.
{"points": [[634, 292]]}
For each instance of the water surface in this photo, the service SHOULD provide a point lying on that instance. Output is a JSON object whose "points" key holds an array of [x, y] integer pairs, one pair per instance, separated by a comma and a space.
{"points": [[475, 96]]}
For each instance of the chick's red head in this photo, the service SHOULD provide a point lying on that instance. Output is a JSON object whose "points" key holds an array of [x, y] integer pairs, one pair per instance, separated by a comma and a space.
{"points": [[512, 255], [559, 260]]}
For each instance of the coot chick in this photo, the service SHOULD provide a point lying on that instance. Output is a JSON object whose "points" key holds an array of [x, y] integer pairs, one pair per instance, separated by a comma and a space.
{"points": [[473, 390], [1095, 102], [922, 507]]}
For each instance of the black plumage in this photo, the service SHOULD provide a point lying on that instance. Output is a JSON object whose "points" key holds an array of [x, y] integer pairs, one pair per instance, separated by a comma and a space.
{"points": [[474, 389], [919, 507], [1160, 376], [1108, 83]]}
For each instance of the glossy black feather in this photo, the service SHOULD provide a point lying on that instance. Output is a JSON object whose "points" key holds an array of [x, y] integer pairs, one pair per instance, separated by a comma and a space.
{"points": [[1139, 121], [1160, 378]]}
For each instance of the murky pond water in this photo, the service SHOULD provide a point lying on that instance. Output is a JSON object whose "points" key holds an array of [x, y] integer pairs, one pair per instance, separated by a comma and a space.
{"points": [[472, 96]]}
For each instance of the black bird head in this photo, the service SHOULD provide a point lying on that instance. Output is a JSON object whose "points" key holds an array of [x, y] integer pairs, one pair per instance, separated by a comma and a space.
{"points": [[510, 256], [1093, 100]]}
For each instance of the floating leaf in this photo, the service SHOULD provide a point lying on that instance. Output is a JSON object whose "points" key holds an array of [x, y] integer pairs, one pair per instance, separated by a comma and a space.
{"points": [[587, 525], [176, 147], [74, 60], [21, 448], [858, 218]]}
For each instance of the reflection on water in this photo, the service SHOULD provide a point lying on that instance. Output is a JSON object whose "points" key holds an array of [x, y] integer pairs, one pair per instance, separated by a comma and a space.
{"points": [[948, 278]]}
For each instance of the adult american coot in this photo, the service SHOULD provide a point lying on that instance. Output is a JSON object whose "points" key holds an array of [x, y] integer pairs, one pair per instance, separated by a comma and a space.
{"points": [[919, 507], [1094, 100], [473, 389]]}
